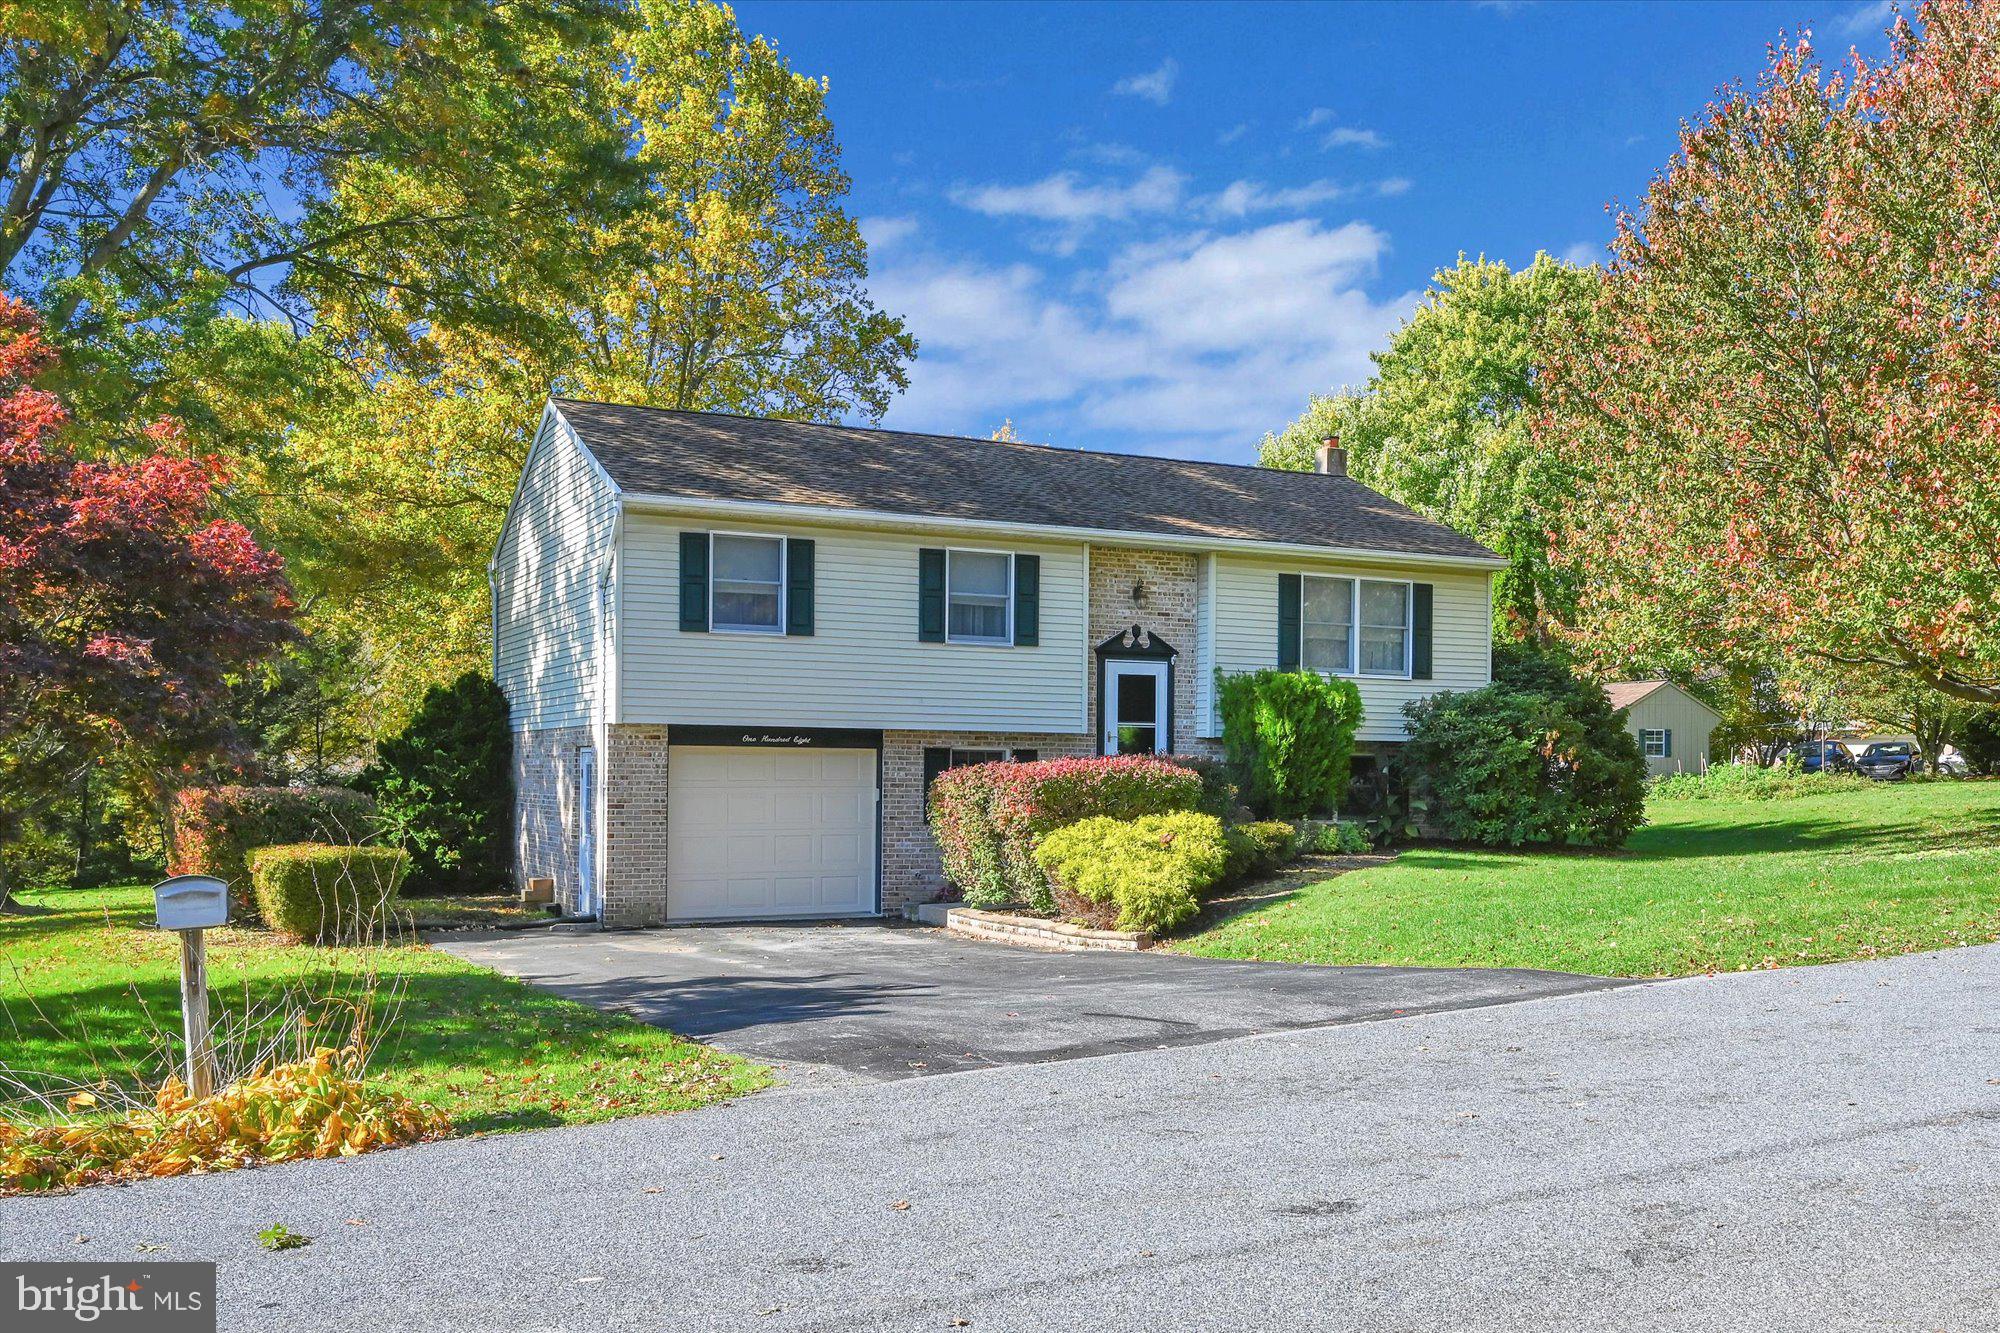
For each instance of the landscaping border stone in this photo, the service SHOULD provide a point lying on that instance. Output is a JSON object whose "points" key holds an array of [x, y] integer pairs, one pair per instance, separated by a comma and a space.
{"points": [[1031, 931]]}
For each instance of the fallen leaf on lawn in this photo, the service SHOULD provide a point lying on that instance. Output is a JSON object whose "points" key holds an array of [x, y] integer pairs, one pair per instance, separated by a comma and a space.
{"points": [[901, 1205]]}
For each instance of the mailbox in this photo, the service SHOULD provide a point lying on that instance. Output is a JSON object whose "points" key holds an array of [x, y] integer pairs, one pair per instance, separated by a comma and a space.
{"points": [[191, 902]]}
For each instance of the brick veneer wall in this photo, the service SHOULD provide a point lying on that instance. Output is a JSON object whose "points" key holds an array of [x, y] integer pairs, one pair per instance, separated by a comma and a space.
{"points": [[546, 819], [911, 869], [634, 876], [1166, 607]]}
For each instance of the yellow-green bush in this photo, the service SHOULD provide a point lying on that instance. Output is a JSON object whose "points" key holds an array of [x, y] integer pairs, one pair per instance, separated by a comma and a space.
{"points": [[1150, 871], [1259, 848], [328, 895], [315, 1107]]}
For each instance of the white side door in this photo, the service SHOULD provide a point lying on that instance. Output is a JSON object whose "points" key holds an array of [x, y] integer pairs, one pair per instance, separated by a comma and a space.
{"points": [[586, 842]]}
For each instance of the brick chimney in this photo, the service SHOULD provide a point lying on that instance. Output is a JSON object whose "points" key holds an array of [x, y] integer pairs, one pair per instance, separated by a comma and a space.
{"points": [[1332, 458]]}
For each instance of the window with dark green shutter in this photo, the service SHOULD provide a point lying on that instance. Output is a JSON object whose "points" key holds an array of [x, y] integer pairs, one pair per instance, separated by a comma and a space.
{"points": [[1289, 593], [799, 586], [930, 595], [694, 582], [1027, 601]]}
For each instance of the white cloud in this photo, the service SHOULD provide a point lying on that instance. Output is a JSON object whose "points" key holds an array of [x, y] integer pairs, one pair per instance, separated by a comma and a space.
{"points": [[883, 233], [1065, 197], [1869, 20], [1583, 252], [1340, 136], [1193, 344], [1233, 133], [1240, 199], [1393, 186], [1346, 136], [1156, 87]]}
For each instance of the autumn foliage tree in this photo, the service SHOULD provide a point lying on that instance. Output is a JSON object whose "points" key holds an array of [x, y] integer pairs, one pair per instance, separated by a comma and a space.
{"points": [[1785, 417], [125, 604]]}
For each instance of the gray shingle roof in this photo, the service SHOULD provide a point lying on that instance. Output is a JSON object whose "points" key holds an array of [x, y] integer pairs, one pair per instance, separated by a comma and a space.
{"points": [[711, 456]]}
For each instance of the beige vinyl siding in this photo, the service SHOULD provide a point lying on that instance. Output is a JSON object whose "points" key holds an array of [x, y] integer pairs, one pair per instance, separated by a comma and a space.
{"points": [[1245, 596], [546, 577], [1673, 709], [863, 665]]}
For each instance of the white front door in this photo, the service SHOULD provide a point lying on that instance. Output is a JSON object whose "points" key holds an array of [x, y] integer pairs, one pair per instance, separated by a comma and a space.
{"points": [[757, 832], [586, 842], [1135, 707]]}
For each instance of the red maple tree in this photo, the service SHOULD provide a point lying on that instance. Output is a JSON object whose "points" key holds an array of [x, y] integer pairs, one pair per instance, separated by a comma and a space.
{"points": [[1785, 417], [126, 603]]}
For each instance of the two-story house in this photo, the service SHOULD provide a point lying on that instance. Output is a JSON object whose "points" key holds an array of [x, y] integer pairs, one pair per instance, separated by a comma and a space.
{"points": [[737, 650]]}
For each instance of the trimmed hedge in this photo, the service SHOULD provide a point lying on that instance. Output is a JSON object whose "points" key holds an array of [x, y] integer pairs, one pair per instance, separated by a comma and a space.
{"points": [[215, 828], [988, 818], [1289, 736], [328, 895], [1146, 873]]}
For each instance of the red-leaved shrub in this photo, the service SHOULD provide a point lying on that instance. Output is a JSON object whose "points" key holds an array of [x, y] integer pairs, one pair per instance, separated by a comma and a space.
{"points": [[215, 829], [987, 818]]}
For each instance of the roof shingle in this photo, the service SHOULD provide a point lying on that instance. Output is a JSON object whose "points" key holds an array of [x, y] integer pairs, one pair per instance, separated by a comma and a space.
{"points": [[711, 456]]}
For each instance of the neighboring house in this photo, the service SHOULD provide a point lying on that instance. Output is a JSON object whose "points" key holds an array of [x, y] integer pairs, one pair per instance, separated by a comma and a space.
{"points": [[737, 650], [1672, 726]]}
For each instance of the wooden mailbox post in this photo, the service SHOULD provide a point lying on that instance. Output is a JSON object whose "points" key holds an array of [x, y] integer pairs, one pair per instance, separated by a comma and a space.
{"points": [[188, 905]]}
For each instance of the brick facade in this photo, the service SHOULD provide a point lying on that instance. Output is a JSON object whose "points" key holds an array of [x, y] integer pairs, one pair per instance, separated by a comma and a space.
{"points": [[547, 821], [633, 769], [911, 870], [1169, 594]]}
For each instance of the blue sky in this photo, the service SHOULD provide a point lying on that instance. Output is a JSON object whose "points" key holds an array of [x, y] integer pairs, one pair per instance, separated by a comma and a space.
{"points": [[1160, 228]]}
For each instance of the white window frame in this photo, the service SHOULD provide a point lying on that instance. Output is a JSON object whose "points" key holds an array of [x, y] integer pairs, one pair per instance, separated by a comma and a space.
{"points": [[1353, 667], [1651, 736], [784, 584], [952, 754], [1006, 640]]}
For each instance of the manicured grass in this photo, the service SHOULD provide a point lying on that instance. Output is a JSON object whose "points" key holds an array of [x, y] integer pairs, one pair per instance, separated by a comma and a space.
{"points": [[1706, 886], [86, 987]]}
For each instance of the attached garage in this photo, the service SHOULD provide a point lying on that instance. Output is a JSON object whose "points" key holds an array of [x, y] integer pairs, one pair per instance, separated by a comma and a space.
{"points": [[763, 830]]}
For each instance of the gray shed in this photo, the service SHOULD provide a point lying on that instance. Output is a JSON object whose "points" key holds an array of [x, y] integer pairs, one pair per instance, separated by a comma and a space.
{"points": [[1671, 725]]}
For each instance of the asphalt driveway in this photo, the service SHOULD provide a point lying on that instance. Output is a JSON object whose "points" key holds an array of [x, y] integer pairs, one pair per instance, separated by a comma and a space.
{"points": [[880, 1001]]}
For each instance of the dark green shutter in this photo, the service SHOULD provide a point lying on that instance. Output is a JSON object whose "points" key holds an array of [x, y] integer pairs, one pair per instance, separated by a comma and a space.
{"points": [[937, 759], [930, 595], [1420, 631], [1027, 601], [1667, 744], [694, 581], [1290, 590], [798, 586]]}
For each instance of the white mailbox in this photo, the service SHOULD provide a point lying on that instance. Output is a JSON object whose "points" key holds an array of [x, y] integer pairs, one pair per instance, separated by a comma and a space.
{"points": [[191, 902]]}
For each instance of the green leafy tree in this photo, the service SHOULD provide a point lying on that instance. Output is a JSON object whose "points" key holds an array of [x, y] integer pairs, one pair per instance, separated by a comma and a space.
{"points": [[163, 165], [1443, 425], [1979, 742], [444, 789], [735, 282]]}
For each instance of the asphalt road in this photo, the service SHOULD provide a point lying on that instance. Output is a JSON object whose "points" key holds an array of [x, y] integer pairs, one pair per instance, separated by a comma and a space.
{"points": [[1815, 1149], [876, 1001]]}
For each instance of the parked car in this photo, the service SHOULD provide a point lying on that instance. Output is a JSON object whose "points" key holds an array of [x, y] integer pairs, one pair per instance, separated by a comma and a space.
{"points": [[1890, 761], [1819, 757]]}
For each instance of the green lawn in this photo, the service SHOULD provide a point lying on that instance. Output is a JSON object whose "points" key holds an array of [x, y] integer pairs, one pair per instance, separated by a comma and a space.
{"points": [[1707, 886], [86, 984]]}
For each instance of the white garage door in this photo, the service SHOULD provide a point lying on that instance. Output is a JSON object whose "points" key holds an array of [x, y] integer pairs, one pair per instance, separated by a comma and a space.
{"points": [[756, 832]]}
